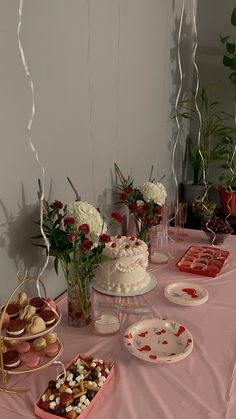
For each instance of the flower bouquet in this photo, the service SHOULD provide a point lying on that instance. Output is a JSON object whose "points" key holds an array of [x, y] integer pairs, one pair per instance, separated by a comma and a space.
{"points": [[216, 229], [144, 202], [76, 233]]}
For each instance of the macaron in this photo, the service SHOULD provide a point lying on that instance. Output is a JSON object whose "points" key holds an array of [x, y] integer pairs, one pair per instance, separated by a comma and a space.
{"points": [[12, 310], [30, 360], [49, 317], [51, 338], [11, 359], [16, 328], [39, 344], [52, 350], [38, 303], [23, 347]]}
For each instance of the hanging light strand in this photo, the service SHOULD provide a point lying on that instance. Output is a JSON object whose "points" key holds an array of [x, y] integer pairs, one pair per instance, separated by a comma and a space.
{"points": [[91, 106], [176, 110], [29, 127]]}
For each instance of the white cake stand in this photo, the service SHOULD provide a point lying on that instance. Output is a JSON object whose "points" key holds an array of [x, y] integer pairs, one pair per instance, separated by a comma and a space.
{"points": [[150, 286]]}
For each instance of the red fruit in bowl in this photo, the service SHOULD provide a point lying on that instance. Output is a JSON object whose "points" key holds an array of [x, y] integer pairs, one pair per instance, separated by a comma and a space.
{"points": [[66, 399]]}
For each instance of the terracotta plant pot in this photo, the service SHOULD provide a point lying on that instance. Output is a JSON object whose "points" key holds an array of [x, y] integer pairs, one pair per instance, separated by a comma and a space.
{"points": [[228, 201]]}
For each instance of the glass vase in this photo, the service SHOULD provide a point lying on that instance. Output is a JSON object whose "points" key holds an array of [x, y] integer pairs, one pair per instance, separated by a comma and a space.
{"points": [[79, 291], [79, 305]]}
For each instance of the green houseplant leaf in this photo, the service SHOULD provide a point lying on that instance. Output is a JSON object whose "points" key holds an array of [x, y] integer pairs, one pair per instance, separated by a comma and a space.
{"points": [[233, 17]]}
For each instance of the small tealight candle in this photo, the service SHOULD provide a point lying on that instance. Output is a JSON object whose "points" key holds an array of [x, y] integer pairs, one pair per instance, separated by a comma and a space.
{"points": [[159, 258], [107, 324]]}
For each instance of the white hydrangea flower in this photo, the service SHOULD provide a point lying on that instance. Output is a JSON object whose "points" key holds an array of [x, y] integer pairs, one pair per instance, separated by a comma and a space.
{"points": [[154, 191], [85, 213]]}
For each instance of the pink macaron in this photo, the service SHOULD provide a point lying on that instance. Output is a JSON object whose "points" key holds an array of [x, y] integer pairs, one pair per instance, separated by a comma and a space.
{"points": [[23, 347], [52, 350], [30, 360]]}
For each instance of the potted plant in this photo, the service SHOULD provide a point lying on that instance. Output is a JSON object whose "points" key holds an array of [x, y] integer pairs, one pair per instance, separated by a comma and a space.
{"points": [[194, 187], [227, 190], [229, 58], [216, 229], [215, 129]]}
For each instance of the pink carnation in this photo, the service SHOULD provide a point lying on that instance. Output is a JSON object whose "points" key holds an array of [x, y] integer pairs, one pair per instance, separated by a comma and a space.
{"points": [[71, 237]]}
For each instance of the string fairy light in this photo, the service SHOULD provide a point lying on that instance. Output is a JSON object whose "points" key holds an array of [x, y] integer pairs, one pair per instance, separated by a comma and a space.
{"points": [[91, 107], [29, 127], [176, 109], [117, 83]]}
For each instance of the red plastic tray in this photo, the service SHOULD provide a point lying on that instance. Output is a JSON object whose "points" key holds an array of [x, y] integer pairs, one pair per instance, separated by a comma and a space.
{"points": [[202, 260], [46, 415]]}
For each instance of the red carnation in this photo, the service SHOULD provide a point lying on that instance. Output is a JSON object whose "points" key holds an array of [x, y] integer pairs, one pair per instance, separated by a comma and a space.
{"points": [[128, 190], [105, 238], [117, 217], [85, 228], [133, 207], [124, 196], [86, 246], [56, 204], [68, 221]]}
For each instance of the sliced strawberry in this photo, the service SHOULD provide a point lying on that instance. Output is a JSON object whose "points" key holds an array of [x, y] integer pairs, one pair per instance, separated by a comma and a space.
{"points": [[66, 399]]}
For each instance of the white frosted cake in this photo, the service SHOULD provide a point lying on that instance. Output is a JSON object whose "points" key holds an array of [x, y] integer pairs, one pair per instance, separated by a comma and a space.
{"points": [[127, 271]]}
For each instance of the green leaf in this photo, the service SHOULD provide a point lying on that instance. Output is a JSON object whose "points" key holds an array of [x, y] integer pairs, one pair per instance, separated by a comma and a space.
{"points": [[230, 47], [232, 77], [233, 17], [223, 39], [227, 61], [56, 260]]}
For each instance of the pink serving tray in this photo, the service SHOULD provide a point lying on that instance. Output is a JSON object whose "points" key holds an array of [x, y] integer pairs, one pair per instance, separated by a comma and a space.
{"points": [[202, 260], [42, 414]]}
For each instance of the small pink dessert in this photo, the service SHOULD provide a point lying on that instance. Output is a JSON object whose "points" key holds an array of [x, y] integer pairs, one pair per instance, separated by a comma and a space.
{"points": [[30, 360], [23, 347], [52, 350]]}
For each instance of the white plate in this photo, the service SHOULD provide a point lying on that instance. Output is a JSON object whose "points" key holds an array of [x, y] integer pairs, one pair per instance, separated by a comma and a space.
{"points": [[157, 340], [150, 286], [186, 293]]}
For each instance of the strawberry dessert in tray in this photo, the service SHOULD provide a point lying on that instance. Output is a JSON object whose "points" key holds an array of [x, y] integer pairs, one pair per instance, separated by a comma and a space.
{"points": [[203, 260], [74, 395]]}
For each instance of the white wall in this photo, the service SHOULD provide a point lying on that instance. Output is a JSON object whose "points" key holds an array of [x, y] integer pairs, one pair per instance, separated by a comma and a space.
{"points": [[104, 74]]}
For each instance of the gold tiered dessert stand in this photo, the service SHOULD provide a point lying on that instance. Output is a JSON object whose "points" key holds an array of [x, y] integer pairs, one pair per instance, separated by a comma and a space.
{"points": [[3, 385]]}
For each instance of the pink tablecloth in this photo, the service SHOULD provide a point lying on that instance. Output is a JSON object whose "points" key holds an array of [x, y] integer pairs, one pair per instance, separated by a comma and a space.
{"points": [[202, 386]]}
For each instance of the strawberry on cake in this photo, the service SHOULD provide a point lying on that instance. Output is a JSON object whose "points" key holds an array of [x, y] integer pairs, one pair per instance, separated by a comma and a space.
{"points": [[127, 270]]}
